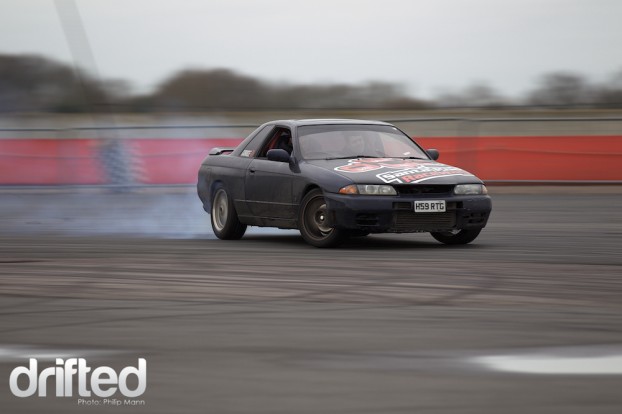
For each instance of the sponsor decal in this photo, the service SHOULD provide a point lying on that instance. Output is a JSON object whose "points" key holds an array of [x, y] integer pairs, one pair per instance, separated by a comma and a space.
{"points": [[401, 171], [364, 165]]}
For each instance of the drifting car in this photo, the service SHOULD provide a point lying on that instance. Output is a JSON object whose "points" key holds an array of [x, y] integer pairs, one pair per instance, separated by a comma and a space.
{"points": [[335, 178]]}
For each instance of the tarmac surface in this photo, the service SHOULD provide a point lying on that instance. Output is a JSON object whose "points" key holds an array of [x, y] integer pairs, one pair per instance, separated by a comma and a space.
{"points": [[268, 324]]}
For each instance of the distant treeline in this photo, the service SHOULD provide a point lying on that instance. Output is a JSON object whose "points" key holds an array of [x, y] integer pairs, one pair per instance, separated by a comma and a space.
{"points": [[38, 84]]}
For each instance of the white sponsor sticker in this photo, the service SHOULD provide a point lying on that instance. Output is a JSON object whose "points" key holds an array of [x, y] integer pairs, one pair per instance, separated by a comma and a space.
{"points": [[398, 171]]}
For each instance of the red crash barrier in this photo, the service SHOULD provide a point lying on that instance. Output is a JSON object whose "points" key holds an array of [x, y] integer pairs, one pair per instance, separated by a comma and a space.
{"points": [[90, 161], [544, 158], [172, 161], [50, 162], [176, 161]]}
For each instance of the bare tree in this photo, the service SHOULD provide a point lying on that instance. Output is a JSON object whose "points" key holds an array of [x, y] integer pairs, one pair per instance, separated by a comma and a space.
{"points": [[210, 89], [33, 83], [482, 95], [479, 95], [561, 89], [225, 89], [610, 93]]}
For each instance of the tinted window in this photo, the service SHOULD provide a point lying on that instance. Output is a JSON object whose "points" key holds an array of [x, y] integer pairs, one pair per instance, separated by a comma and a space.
{"points": [[251, 149]]}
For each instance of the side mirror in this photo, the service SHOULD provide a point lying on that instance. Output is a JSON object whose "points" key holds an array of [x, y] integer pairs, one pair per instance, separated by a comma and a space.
{"points": [[433, 153], [279, 155]]}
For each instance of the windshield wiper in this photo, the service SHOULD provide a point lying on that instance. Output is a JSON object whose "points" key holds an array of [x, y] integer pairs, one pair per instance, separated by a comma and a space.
{"points": [[352, 157]]}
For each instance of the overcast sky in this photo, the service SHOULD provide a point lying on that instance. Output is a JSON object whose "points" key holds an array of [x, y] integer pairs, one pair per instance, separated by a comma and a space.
{"points": [[427, 45]]}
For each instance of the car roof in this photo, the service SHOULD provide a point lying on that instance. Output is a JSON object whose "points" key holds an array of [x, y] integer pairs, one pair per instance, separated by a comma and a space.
{"points": [[304, 122]]}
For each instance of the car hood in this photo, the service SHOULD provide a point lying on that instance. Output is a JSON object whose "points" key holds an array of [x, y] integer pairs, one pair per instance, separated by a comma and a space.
{"points": [[396, 171]]}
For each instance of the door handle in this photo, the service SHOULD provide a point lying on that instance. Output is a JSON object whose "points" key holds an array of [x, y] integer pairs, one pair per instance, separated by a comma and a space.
{"points": [[251, 170]]}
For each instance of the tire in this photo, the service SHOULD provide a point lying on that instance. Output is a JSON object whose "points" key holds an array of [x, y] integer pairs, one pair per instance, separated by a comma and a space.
{"points": [[457, 236], [311, 219], [225, 222]]}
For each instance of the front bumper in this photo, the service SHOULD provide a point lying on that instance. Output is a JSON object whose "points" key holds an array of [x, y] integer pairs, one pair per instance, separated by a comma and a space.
{"points": [[395, 214]]}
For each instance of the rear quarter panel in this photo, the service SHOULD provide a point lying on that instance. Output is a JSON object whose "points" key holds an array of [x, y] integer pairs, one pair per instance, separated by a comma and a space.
{"points": [[228, 171]]}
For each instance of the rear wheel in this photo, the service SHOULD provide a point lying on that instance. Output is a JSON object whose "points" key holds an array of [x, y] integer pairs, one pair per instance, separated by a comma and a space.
{"points": [[225, 222], [313, 221], [457, 236]]}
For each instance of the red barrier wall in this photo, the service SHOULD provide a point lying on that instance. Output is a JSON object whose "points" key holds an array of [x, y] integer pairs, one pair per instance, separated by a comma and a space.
{"points": [[50, 161], [175, 161], [172, 161], [569, 158]]}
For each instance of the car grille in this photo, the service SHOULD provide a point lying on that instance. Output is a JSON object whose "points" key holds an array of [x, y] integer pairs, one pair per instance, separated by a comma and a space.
{"points": [[409, 221], [423, 189]]}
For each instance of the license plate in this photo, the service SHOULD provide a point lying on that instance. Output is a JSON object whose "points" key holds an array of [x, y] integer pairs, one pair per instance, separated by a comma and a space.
{"points": [[430, 206]]}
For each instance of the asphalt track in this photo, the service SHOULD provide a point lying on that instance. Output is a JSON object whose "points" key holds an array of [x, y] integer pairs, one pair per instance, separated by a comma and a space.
{"points": [[267, 324]]}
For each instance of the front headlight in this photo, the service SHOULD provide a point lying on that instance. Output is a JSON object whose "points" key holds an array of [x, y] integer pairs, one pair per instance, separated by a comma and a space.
{"points": [[470, 189], [368, 189]]}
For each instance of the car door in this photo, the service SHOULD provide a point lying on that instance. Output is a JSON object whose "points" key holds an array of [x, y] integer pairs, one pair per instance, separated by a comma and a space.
{"points": [[268, 184]]}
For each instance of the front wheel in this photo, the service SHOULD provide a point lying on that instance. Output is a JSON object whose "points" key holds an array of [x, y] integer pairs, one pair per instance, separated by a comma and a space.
{"points": [[313, 219], [225, 222], [457, 236]]}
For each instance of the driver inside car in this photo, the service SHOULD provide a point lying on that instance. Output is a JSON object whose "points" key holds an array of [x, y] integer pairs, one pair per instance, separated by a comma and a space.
{"points": [[357, 144], [285, 142]]}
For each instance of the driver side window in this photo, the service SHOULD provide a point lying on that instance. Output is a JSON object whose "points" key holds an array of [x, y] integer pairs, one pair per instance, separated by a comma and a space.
{"points": [[280, 138]]}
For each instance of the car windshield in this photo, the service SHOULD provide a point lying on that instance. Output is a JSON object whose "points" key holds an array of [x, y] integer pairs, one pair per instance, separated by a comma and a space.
{"points": [[321, 142]]}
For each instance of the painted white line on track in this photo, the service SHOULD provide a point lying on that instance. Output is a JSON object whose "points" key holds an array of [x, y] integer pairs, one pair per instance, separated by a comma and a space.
{"points": [[19, 352], [561, 361]]}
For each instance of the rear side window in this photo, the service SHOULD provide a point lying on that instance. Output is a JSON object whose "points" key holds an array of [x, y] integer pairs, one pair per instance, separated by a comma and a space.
{"points": [[250, 151]]}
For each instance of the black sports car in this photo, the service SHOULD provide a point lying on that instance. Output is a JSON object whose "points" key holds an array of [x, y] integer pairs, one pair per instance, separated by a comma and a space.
{"points": [[333, 178]]}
